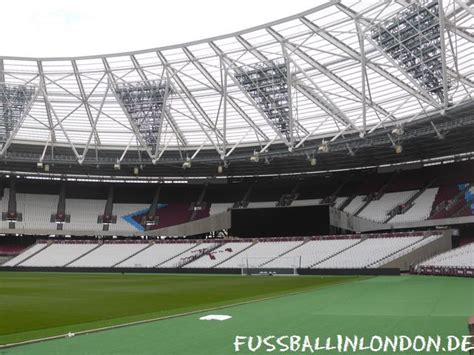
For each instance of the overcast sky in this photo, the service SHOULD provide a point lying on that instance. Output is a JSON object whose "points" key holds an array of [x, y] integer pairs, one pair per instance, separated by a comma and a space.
{"points": [[51, 28]]}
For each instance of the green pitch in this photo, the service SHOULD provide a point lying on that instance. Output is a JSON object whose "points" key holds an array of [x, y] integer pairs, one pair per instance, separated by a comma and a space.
{"points": [[36, 305], [406, 305]]}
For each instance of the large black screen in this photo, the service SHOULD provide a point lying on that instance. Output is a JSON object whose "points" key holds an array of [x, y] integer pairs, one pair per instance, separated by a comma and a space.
{"points": [[280, 221]]}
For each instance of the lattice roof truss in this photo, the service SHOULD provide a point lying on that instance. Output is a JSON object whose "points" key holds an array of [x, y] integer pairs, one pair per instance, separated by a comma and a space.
{"points": [[342, 68]]}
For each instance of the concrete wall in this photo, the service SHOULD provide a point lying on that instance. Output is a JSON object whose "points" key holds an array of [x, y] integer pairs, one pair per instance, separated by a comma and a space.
{"points": [[357, 224], [353, 223], [425, 252], [380, 271], [209, 224], [222, 221]]}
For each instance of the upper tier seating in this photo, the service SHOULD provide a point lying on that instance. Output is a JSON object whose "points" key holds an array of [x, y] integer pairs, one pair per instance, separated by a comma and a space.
{"points": [[84, 214], [456, 258], [4, 207], [219, 255], [263, 204], [36, 211], [108, 255], [310, 202], [58, 254], [121, 210], [377, 210], [421, 208], [339, 201], [355, 204]]}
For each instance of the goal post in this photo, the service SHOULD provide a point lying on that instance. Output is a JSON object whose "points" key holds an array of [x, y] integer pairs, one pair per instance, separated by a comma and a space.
{"points": [[270, 265]]}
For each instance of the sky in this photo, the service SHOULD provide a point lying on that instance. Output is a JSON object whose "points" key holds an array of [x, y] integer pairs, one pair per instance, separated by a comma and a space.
{"points": [[55, 28]]}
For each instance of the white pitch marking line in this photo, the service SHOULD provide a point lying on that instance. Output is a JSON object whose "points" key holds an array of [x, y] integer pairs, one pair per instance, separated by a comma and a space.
{"points": [[111, 327]]}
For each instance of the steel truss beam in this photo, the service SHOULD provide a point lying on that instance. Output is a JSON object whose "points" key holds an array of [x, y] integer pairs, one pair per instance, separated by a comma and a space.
{"points": [[366, 22], [174, 75], [267, 84], [47, 108], [60, 121], [196, 99], [2, 71], [358, 57], [170, 73], [219, 88], [319, 99], [10, 135], [313, 62], [169, 118], [232, 65], [84, 101], [99, 112], [255, 52], [164, 108], [263, 58], [112, 83]]}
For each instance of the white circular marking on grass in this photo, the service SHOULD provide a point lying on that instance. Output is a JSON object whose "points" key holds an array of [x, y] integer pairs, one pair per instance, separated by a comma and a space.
{"points": [[219, 317]]}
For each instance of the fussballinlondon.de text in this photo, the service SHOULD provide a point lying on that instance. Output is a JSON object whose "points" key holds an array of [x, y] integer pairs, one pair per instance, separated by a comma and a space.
{"points": [[340, 343]]}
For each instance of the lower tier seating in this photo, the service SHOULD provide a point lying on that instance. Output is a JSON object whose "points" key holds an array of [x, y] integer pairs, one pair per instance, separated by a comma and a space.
{"points": [[219, 255], [367, 252], [260, 253], [462, 257], [338, 252], [107, 255], [156, 254], [313, 252], [26, 254], [58, 254], [200, 249]]}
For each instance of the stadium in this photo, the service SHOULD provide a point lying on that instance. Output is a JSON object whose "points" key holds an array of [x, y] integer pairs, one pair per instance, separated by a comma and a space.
{"points": [[304, 185]]}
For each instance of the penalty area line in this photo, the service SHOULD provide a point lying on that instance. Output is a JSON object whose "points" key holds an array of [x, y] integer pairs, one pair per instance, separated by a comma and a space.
{"points": [[171, 316]]}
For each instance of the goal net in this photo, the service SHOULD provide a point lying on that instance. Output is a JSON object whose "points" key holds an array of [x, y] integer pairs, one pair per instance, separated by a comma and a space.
{"points": [[270, 265]]}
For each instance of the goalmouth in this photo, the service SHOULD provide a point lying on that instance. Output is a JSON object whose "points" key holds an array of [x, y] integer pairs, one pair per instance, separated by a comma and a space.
{"points": [[270, 265]]}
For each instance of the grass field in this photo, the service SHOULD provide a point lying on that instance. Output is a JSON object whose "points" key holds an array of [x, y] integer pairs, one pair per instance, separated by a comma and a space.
{"points": [[36, 305]]}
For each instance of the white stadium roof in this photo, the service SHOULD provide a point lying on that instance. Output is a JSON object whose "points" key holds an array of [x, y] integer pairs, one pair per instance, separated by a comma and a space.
{"points": [[342, 81]]}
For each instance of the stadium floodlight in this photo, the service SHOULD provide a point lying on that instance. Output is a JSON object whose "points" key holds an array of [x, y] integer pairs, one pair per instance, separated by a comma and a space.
{"points": [[14, 105], [413, 40], [398, 131], [255, 157], [187, 163], [267, 84], [145, 104], [323, 147]]}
